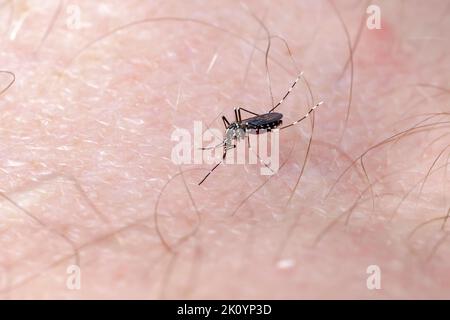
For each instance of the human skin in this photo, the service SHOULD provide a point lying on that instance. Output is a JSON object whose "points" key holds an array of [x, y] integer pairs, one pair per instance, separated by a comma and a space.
{"points": [[87, 177]]}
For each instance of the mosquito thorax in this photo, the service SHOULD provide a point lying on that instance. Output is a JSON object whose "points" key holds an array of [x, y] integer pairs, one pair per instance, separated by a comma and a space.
{"points": [[234, 132]]}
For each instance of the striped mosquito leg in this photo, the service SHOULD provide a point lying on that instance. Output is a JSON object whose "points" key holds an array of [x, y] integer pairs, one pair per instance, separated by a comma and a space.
{"points": [[304, 117], [210, 171], [287, 93], [224, 155]]}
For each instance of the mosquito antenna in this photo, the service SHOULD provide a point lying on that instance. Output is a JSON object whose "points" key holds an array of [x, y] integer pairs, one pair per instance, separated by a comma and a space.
{"points": [[304, 117], [214, 147], [287, 93]]}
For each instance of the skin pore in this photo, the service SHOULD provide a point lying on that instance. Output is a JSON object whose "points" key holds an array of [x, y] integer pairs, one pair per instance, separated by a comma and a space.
{"points": [[86, 175]]}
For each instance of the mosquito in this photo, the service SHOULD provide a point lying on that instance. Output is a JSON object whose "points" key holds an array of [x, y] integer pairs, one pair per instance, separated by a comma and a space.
{"points": [[241, 128]]}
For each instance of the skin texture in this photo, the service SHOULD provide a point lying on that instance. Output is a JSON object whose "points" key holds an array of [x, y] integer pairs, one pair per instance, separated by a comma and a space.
{"points": [[87, 178]]}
